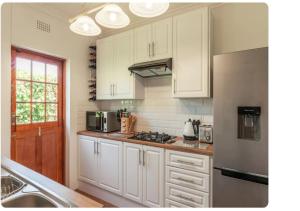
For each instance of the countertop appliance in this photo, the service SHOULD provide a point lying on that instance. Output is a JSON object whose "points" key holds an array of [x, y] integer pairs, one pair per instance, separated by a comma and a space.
{"points": [[154, 68], [102, 121], [154, 137], [241, 129], [206, 134], [191, 130]]}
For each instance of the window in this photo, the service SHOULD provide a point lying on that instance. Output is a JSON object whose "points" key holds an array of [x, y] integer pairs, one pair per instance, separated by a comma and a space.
{"points": [[36, 91]]}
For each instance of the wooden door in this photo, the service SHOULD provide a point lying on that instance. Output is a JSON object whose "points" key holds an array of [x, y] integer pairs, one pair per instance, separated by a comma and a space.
{"points": [[110, 165], [87, 153], [153, 176], [37, 112], [133, 170], [191, 54], [161, 46], [142, 43]]}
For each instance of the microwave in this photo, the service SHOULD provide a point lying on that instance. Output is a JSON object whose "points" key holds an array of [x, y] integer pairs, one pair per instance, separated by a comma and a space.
{"points": [[102, 121]]}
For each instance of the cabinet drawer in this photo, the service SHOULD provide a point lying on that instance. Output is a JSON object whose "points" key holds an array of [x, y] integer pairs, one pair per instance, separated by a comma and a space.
{"points": [[186, 196], [188, 179], [189, 161], [174, 204]]}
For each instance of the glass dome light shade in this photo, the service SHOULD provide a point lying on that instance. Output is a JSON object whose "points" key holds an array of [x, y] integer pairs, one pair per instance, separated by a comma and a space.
{"points": [[148, 9], [85, 25], [112, 16]]}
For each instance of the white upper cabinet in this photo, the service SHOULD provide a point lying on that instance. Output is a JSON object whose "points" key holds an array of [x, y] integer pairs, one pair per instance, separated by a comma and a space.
{"points": [[153, 41], [191, 54], [114, 81]]}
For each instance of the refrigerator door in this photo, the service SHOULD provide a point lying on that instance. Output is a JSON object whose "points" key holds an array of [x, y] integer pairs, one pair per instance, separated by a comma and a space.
{"points": [[233, 192], [240, 83]]}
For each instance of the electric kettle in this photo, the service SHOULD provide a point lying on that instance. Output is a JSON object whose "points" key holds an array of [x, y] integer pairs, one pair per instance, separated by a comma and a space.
{"points": [[189, 132]]}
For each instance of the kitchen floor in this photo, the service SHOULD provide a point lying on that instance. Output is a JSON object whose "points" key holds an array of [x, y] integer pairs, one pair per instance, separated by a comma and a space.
{"points": [[105, 204]]}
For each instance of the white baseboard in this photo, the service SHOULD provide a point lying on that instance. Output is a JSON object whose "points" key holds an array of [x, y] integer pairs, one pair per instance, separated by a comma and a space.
{"points": [[107, 196]]}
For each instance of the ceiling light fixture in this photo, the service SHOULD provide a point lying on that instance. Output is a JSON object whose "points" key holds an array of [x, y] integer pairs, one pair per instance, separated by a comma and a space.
{"points": [[148, 9], [84, 25], [112, 16]]}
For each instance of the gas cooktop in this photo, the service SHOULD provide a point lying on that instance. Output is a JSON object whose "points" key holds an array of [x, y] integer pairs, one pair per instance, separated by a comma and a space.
{"points": [[154, 137]]}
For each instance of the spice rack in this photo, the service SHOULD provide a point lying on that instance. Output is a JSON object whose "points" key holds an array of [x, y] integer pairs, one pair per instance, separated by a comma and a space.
{"points": [[92, 67]]}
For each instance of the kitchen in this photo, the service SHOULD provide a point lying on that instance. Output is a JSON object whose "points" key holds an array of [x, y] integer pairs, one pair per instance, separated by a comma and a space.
{"points": [[176, 72]]}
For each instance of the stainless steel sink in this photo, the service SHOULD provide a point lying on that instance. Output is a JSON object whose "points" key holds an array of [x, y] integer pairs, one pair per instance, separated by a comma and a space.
{"points": [[17, 191], [10, 185], [29, 200]]}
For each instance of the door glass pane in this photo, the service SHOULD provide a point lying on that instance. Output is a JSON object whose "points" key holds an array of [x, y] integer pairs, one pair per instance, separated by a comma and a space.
{"points": [[23, 69], [38, 71], [38, 92], [51, 110], [23, 113], [51, 93], [38, 112], [22, 91], [51, 73]]}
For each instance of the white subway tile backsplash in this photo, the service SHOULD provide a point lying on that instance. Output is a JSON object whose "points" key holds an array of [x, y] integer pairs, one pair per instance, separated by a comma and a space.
{"points": [[159, 111]]}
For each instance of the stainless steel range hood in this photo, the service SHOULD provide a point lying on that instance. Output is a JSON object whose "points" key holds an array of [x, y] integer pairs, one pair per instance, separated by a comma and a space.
{"points": [[152, 68]]}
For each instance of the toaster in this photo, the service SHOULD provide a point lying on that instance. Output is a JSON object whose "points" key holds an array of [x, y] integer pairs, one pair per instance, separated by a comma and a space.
{"points": [[206, 134]]}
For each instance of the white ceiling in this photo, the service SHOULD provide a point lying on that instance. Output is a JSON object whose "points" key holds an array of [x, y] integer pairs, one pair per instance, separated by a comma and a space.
{"points": [[66, 11]]}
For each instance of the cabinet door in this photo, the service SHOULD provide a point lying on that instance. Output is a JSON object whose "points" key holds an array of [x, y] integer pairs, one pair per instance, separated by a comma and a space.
{"points": [[191, 54], [110, 165], [142, 43], [123, 54], [105, 66], [87, 159], [153, 176], [161, 46], [132, 178]]}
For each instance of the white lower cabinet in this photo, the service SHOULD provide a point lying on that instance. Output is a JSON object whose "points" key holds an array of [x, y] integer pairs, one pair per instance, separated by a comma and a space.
{"points": [[87, 162], [144, 174], [188, 179], [100, 163], [109, 172]]}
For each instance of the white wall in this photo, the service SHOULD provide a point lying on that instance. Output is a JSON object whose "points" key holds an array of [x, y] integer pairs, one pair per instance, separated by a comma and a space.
{"points": [[239, 26], [19, 29]]}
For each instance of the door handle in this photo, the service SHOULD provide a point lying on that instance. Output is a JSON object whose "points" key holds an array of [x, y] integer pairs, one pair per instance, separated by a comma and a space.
{"points": [[97, 148], [261, 179], [40, 131], [185, 162], [111, 90], [186, 180], [94, 147], [184, 197], [144, 158], [174, 82]]}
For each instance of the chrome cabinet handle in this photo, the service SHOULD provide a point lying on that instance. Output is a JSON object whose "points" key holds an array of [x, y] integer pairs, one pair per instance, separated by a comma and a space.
{"points": [[184, 197], [185, 180], [153, 48], [149, 50], [114, 87], [94, 147], [174, 82], [139, 157], [185, 162], [110, 90], [97, 148], [144, 158]]}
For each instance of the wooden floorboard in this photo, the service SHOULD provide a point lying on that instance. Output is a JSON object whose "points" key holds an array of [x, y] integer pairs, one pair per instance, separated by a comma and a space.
{"points": [[105, 204]]}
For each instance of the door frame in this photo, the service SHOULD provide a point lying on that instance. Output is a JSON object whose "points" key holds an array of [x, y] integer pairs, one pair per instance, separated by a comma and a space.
{"points": [[63, 118]]}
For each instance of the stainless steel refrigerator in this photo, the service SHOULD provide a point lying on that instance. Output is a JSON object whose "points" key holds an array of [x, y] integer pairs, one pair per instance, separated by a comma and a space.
{"points": [[240, 101]]}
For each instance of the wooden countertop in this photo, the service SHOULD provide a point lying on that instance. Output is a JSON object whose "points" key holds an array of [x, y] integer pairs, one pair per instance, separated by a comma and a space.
{"points": [[76, 199], [124, 138]]}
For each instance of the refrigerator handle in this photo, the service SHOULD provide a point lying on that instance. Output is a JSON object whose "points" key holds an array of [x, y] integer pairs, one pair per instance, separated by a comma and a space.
{"points": [[244, 175]]}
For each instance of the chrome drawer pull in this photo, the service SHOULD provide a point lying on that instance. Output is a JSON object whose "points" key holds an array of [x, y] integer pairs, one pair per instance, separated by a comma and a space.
{"points": [[185, 162], [184, 197], [186, 180]]}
